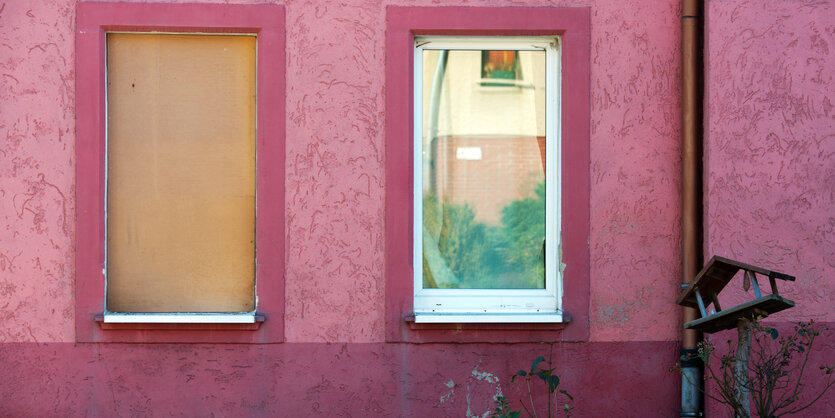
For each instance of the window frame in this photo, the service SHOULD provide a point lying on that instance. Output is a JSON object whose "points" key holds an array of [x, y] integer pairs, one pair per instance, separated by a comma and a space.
{"points": [[572, 26], [491, 305], [266, 23]]}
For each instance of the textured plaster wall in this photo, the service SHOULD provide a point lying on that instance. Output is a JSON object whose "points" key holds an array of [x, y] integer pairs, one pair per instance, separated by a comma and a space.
{"points": [[335, 358], [769, 196], [335, 184], [335, 171], [37, 172], [311, 379], [770, 144], [335, 165], [769, 149], [635, 171]]}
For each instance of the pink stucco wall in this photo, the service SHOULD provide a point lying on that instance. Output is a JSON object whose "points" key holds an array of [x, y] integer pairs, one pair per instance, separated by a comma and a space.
{"points": [[769, 148], [765, 110], [335, 167], [770, 144], [37, 211]]}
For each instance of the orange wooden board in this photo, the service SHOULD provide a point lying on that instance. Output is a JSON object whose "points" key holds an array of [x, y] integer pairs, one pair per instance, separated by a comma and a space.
{"points": [[180, 173]]}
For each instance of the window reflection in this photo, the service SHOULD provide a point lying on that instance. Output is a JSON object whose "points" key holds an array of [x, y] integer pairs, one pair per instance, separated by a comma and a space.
{"points": [[483, 169]]}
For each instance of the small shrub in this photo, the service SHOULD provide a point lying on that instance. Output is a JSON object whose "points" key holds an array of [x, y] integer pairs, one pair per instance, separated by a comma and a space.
{"points": [[775, 373], [551, 381]]}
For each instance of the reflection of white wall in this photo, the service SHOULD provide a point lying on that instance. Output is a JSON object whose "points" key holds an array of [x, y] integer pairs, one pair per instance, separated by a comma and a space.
{"points": [[468, 108], [502, 124]]}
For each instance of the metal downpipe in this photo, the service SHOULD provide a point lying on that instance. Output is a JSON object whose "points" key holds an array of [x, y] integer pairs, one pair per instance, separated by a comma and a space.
{"points": [[691, 145]]}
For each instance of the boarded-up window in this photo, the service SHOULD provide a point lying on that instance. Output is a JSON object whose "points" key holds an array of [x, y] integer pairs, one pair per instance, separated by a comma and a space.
{"points": [[180, 173]]}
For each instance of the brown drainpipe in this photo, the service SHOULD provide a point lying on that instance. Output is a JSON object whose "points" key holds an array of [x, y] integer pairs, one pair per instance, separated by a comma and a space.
{"points": [[691, 205]]}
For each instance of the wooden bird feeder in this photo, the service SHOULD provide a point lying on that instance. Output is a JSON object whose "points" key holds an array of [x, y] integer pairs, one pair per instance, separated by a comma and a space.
{"points": [[704, 291]]}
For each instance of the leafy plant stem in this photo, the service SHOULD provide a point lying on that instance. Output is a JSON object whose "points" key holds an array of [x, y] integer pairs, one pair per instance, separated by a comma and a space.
{"points": [[550, 353], [530, 396]]}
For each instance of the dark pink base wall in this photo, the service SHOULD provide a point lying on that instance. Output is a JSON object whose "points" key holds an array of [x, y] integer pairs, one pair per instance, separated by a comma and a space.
{"points": [[814, 379], [376, 379]]}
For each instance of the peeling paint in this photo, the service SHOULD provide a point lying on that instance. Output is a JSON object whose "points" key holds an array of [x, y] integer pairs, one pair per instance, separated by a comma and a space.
{"points": [[473, 387], [450, 385], [489, 377]]}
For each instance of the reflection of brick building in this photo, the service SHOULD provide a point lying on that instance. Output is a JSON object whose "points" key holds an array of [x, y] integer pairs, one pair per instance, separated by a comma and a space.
{"points": [[487, 172]]}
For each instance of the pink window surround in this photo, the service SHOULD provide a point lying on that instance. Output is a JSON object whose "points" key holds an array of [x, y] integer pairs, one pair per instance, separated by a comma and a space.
{"points": [[572, 24], [94, 20]]}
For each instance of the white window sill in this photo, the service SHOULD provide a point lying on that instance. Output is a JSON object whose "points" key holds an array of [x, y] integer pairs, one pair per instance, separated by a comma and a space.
{"points": [[181, 318], [489, 318]]}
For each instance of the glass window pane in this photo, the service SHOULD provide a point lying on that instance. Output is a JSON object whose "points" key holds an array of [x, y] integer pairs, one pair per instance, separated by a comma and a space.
{"points": [[483, 169]]}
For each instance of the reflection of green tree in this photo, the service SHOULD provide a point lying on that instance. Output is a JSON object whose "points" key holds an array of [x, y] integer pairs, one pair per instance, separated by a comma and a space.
{"points": [[462, 253], [461, 241], [524, 230]]}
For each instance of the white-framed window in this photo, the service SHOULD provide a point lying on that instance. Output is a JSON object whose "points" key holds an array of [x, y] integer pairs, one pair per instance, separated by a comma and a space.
{"points": [[180, 178], [487, 179]]}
